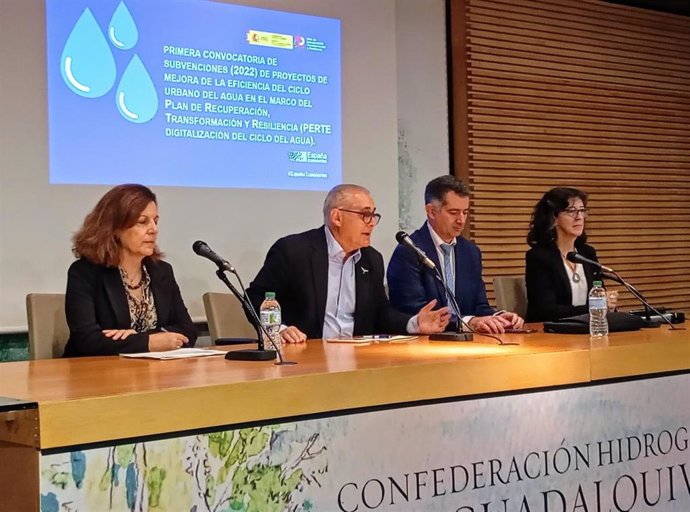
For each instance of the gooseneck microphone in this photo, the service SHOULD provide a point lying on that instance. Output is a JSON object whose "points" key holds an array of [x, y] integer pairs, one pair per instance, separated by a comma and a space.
{"points": [[612, 275], [260, 353], [203, 250], [404, 239], [575, 257]]}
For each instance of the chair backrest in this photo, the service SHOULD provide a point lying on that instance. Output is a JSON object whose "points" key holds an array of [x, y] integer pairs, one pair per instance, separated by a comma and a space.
{"points": [[225, 317], [48, 330], [511, 294]]}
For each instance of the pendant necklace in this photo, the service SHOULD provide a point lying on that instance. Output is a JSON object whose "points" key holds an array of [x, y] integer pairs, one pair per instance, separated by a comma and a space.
{"points": [[575, 275]]}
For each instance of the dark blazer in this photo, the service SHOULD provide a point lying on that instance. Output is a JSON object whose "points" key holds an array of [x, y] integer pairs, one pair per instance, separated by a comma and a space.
{"points": [[96, 300], [549, 295], [296, 269], [412, 285]]}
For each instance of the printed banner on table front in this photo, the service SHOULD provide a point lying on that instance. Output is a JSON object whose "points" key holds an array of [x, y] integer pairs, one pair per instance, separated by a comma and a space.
{"points": [[619, 447]]}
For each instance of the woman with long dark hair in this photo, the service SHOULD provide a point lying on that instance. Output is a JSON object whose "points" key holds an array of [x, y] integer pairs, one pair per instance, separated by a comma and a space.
{"points": [[556, 287]]}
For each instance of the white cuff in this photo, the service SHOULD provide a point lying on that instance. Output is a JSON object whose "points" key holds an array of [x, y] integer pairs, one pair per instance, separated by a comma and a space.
{"points": [[413, 325]]}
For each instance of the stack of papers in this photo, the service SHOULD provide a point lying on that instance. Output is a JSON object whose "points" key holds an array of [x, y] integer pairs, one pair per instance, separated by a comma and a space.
{"points": [[180, 353]]}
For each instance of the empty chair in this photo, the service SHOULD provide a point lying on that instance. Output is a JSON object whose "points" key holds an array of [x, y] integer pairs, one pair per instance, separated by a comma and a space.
{"points": [[511, 294], [48, 330], [226, 318]]}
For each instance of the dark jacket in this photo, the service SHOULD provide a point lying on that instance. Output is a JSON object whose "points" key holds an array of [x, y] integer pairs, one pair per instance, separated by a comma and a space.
{"points": [[96, 300], [412, 285], [296, 269], [549, 295]]}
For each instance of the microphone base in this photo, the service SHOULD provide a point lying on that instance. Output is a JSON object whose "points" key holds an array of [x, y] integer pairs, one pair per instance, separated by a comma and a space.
{"points": [[452, 336], [251, 354], [650, 323]]}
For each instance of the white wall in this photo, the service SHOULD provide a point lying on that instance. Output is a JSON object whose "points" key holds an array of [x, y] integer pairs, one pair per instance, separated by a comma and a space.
{"points": [[422, 103]]}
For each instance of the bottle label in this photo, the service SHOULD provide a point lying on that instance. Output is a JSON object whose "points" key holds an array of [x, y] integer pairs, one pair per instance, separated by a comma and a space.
{"points": [[270, 317], [597, 303]]}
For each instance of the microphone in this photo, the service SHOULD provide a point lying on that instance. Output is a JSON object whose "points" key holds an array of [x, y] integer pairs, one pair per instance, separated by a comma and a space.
{"points": [[203, 250], [404, 239], [611, 274], [575, 257], [260, 353]]}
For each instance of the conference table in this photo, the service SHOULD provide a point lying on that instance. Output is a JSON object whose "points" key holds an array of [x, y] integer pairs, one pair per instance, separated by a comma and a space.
{"points": [[352, 426]]}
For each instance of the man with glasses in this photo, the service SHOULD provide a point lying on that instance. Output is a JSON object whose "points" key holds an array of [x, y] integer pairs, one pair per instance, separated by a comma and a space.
{"points": [[329, 281], [459, 261]]}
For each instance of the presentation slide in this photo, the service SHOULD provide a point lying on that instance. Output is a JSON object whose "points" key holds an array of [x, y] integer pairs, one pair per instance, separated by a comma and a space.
{"points": [[192, 93]]}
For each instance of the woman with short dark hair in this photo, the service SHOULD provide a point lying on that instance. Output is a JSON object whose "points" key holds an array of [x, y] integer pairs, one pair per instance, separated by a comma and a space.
{"points": [[556, 287], [121, 297]]}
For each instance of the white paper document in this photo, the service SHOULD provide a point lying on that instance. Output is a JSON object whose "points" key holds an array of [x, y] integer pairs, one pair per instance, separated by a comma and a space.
{"points": [[180, 353]]}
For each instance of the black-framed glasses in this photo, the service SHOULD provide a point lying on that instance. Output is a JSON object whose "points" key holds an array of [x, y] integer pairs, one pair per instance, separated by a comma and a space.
{"points": [[367, 216], [572, 211]]}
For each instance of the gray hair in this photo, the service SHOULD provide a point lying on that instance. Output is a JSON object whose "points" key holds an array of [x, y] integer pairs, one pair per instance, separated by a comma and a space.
{"points": [[337, 197]]}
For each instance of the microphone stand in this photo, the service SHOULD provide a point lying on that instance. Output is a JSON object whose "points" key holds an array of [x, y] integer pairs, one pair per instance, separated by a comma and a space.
{"points": [[260, 353], [460, 335], [452, 336], [614, 276]]}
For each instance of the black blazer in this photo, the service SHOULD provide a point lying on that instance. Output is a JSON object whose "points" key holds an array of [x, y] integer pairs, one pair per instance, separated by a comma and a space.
{"points": [[296, 269], [96, 300], [549, 295]]}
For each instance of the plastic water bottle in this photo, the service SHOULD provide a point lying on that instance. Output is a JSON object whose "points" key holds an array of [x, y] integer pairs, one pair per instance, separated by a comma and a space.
{"points": [[598, 324], [271, 319]]}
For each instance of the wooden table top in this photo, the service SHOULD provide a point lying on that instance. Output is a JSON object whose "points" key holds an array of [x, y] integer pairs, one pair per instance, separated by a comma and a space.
{"points": [[87, 400]]}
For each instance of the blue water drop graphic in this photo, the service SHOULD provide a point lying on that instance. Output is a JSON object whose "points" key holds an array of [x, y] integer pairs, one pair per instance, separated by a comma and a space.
{"points": [[87, 64], [136, 95], [122, 30]]}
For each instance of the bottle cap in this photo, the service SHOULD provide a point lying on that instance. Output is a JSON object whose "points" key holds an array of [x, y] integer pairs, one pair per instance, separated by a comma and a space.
{"points": [[270, 295], [595, 283]]}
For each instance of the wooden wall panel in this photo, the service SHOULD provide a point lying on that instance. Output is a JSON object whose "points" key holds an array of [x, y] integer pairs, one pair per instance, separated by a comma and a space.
{"points": [[585, 94]]}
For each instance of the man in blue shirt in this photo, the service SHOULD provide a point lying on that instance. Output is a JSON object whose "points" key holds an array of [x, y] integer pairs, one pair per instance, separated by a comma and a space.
{"points": [[411, 284], [329, 281]]}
